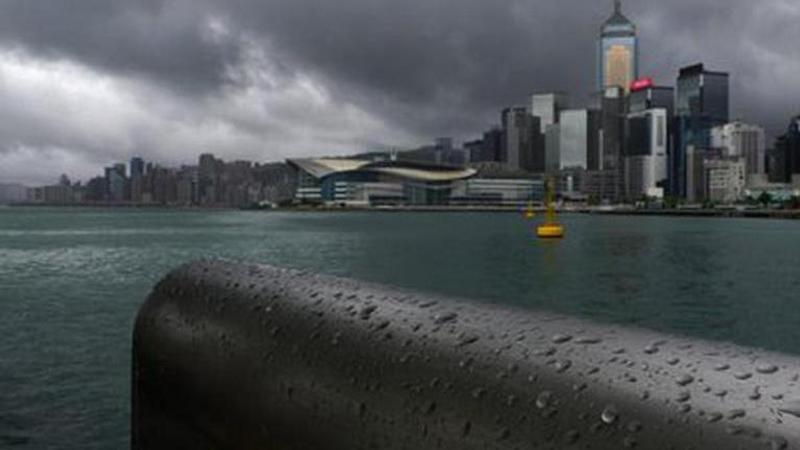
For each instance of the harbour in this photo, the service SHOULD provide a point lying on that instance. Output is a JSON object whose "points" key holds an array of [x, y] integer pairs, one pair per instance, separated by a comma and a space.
{"points": [[73, 280]]}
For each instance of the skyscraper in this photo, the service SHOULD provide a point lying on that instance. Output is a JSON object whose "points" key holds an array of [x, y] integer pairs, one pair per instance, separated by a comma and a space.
{"points": [[548, 107], [702, 103], [617, 51], [578, 140], [524, 148], [787, 148]]}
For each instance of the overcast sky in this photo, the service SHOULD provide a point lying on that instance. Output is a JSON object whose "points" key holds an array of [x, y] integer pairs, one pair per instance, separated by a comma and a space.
{"points": [[84, 83]]}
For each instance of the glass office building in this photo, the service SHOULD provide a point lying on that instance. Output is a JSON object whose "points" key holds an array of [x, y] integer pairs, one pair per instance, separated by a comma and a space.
{"points": [[618, 52], [702, 103]]}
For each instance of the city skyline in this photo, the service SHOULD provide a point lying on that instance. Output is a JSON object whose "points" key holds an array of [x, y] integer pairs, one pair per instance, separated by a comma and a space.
{"points": [[219, 82]]}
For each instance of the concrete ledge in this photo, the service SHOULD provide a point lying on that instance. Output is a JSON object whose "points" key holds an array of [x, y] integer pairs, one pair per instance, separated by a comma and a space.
{"points": [[230, 356]]}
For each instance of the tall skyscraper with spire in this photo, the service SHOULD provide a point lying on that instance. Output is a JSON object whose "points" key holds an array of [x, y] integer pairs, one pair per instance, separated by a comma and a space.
{"points": [[618, 52]]}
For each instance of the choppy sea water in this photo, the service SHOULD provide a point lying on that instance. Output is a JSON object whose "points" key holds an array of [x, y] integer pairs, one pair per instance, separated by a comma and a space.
{"points": [[71, 282]]}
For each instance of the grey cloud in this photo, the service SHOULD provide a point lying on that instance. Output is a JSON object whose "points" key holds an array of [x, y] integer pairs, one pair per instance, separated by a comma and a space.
{"points": [[419, 68]]}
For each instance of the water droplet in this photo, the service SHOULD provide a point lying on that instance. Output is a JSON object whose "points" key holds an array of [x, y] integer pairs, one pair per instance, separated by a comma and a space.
{"points": [[563, 366], [561, 338], [714, 417], [673, 361], [791, 408], [609, 415], [767, 369], [743, 375], [588, 340], [445, 318], [683, 397], [684, 380], [721, 367], [651, 349], [543, 400], [478, 393], [635, 426], [465, 340], [367, 311], [736, 414]]}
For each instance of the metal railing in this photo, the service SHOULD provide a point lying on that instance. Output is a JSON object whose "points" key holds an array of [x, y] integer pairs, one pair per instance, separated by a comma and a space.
{"points": [[230, 356]]}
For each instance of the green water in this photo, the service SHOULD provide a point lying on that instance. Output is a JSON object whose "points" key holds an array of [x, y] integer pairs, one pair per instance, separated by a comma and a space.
{"points": [[71, 282]]}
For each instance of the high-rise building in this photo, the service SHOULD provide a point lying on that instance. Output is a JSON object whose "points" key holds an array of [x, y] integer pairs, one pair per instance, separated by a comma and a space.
{"points": [[548, 107], [725, 179], [787, 155], [738, 139], [552, 145], [137, 167], [115, 183], [579, 139], [644, 95], [522, 139], [618, 52], [702, 102], [646, 153]]}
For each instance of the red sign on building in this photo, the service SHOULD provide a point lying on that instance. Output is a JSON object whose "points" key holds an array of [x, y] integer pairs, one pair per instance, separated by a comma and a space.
{"points": [[642, 83]]}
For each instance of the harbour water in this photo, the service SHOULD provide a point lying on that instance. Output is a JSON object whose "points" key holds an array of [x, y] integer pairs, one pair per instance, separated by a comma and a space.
{"points": [[71, 282]]}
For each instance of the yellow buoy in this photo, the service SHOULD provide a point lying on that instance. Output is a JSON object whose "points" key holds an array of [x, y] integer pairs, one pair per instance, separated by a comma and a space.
{"points": [[550, 229]]}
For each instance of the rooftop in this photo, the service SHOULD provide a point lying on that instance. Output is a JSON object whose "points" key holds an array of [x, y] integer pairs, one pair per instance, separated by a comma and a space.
{"points": [[618, 25]]}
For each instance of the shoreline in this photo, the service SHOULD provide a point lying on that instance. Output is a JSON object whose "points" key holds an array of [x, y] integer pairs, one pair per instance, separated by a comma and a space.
{"points": [[705, 213]]}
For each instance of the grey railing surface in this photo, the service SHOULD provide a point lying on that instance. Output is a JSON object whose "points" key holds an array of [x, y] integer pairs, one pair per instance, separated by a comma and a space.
{"points": [[230, 356]]}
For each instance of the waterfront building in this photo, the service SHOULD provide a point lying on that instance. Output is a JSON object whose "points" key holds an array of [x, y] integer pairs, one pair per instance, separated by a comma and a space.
{"points": [[786, 156], [739, 139], [547, 107], [12, 193], [523, 142], [552, 139], [644, 95], [498, 191], [618, 52], [115, 183], [646, 153], [725, 179], [600, 185], [137, 167], [612, 142], [332, 180], [702, 102], [579, 133], [486, 149]]}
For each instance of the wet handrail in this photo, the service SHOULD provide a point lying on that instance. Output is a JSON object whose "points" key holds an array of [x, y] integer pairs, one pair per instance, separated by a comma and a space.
{"points": [[232, 356]]}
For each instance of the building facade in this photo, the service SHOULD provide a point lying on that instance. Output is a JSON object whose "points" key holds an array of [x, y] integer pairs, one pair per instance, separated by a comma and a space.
{"points": [[738, 139], [786, 156], [725, 179], [579, 135], [702, 103], [523, 142], [646, 154], [618, 52]]}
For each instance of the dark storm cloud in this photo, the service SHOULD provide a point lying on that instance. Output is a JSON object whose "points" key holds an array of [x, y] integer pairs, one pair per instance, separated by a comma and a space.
{"points": [[166, 41], [294, 75]]}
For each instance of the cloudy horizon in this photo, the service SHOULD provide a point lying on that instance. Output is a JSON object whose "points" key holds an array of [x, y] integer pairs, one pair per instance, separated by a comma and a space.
{"points": [[85, 83]]}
